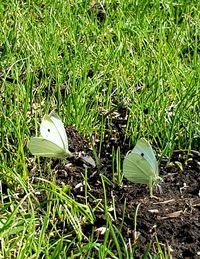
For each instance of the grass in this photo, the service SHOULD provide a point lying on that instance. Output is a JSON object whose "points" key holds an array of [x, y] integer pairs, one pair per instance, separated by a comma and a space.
{"points": [[79, 57]]}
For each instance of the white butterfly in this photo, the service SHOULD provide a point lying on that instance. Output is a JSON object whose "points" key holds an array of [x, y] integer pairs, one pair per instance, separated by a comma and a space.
{"points": [[53, 141], [140, 165]]}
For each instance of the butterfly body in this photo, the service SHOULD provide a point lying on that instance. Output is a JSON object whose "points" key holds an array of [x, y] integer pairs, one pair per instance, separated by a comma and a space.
{"points": [[53, 141]]}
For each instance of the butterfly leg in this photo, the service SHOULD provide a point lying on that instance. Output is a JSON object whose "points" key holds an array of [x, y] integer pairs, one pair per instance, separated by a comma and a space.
{"points": [[151, 189]]}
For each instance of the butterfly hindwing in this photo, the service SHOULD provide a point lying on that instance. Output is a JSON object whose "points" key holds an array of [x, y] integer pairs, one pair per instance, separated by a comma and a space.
{"points": [[43, 147], [136, 169]]}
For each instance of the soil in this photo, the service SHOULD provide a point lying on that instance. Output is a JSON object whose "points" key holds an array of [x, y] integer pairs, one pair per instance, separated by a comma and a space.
{"points": [[173, 217]]}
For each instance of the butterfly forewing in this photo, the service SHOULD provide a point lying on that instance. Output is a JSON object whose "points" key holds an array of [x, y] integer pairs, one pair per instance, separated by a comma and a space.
{"points": [[60, 127], [136, 169], [144, 149], [49, 131], [43, 147]]}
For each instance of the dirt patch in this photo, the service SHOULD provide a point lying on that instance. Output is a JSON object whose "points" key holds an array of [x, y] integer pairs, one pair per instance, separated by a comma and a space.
{"points": [[173, 217]]}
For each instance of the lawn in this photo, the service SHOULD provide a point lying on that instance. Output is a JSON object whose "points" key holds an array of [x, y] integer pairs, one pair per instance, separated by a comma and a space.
{"points": [[114, 72]]}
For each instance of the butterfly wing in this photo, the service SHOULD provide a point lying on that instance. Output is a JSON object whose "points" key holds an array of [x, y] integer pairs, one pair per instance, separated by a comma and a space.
{"points": [[43, 147], [60, 127], [52, 129], [143, 148], [136, 168]]}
